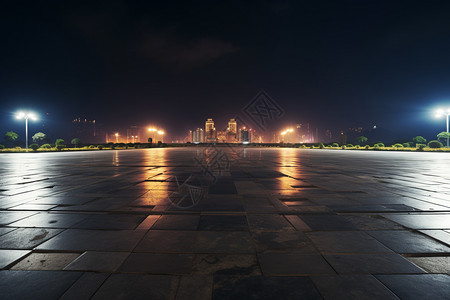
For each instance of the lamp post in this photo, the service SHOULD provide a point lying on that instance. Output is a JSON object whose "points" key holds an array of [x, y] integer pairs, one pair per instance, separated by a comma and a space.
{"points": [[446, 113], [117, 137], [26, 116], [161, 133]]}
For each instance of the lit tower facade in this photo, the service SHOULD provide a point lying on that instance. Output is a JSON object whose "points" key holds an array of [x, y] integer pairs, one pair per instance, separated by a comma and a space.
{"points": [[231, 135], [210, 131], [198, 136]]}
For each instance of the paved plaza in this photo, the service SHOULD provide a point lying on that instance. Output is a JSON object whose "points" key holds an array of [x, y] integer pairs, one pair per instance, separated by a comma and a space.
{"points": [[225, 223]]}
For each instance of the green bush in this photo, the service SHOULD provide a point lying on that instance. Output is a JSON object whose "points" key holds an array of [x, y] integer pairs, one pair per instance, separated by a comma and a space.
{"points": [[60, 147], [335, 145], [59, 142], [349, 146], [343, 147], [321, 146], [91, 147], [435, 144], [378, 145], [406, 145], [357, 146], [397, 146], [100, 147], [2, 146], [34, 147], [420, 147], [46, 146], [367, 147]]}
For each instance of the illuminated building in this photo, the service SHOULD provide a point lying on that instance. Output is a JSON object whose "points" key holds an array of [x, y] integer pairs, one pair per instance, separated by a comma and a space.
{"points": [[133, 134], [85, 130], [222, 136], [198, 136], [232, 126], [210, 132], [246, 136]]}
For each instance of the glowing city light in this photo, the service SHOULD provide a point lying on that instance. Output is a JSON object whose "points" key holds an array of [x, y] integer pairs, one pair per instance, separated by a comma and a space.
{"points": [[441, 113], [26, 115]]}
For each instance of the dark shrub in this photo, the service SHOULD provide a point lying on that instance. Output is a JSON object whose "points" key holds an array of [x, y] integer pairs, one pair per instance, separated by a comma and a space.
{"points": [[397, 146], [91, 147], [2, 146], [435, 144], [60, 147], [335, 145], [100, 147], [420, 147], [34, 147], [46, 146], [349, 146], [378, 145]]}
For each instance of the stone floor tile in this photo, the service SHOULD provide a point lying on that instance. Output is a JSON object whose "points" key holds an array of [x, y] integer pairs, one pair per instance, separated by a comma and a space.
{"points": [[422, 221], [45, 261], [98, 261], [177, 222], [8, 217], [35, 284], [197, 287], [137, 286], [440, 235], [27, 238], [223, 222], [297, 223], [423, 286], [156, 263], [328, 222], [85, 286], [50, 220], [293, 264], [433, 264], [373, 222], [352, 287], [268, 223], [284, 240], [94, 240], [148, 222], [241, 264], [258, 287], [381, 263], [168, 241], [402, 241], [224, 242], [7, 257], [346, 242], [110, 221]]}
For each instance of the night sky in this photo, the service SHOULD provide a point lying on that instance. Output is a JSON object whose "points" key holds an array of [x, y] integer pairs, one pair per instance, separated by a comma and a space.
{"points": [[333, 64]]}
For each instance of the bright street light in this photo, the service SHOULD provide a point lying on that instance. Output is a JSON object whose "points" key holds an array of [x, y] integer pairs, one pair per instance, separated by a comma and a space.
{"points": [[26, 115], [117, 137], [441, 113]]}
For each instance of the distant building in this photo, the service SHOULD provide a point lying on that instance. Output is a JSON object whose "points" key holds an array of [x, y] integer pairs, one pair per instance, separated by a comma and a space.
{"points": [[198, 136], [232, 126], [231, 133], [85, 130], [133, 135], [210, 132], [245, 136]]}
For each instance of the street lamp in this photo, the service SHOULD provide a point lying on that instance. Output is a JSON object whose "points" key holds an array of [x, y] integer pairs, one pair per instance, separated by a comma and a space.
{"points": [[441, 113], [117, 137], [160, 132], [23, 115]]}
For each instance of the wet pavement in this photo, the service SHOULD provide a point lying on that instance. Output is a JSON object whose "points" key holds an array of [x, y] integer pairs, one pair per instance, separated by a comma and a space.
{"points": [[225, 223]]}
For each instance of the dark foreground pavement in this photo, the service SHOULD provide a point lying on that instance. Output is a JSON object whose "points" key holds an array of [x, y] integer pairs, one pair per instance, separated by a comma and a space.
{"points": [[225, 223]]}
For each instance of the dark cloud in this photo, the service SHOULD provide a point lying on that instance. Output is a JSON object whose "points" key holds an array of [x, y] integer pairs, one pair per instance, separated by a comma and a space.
{"points": [[178, 54]]}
